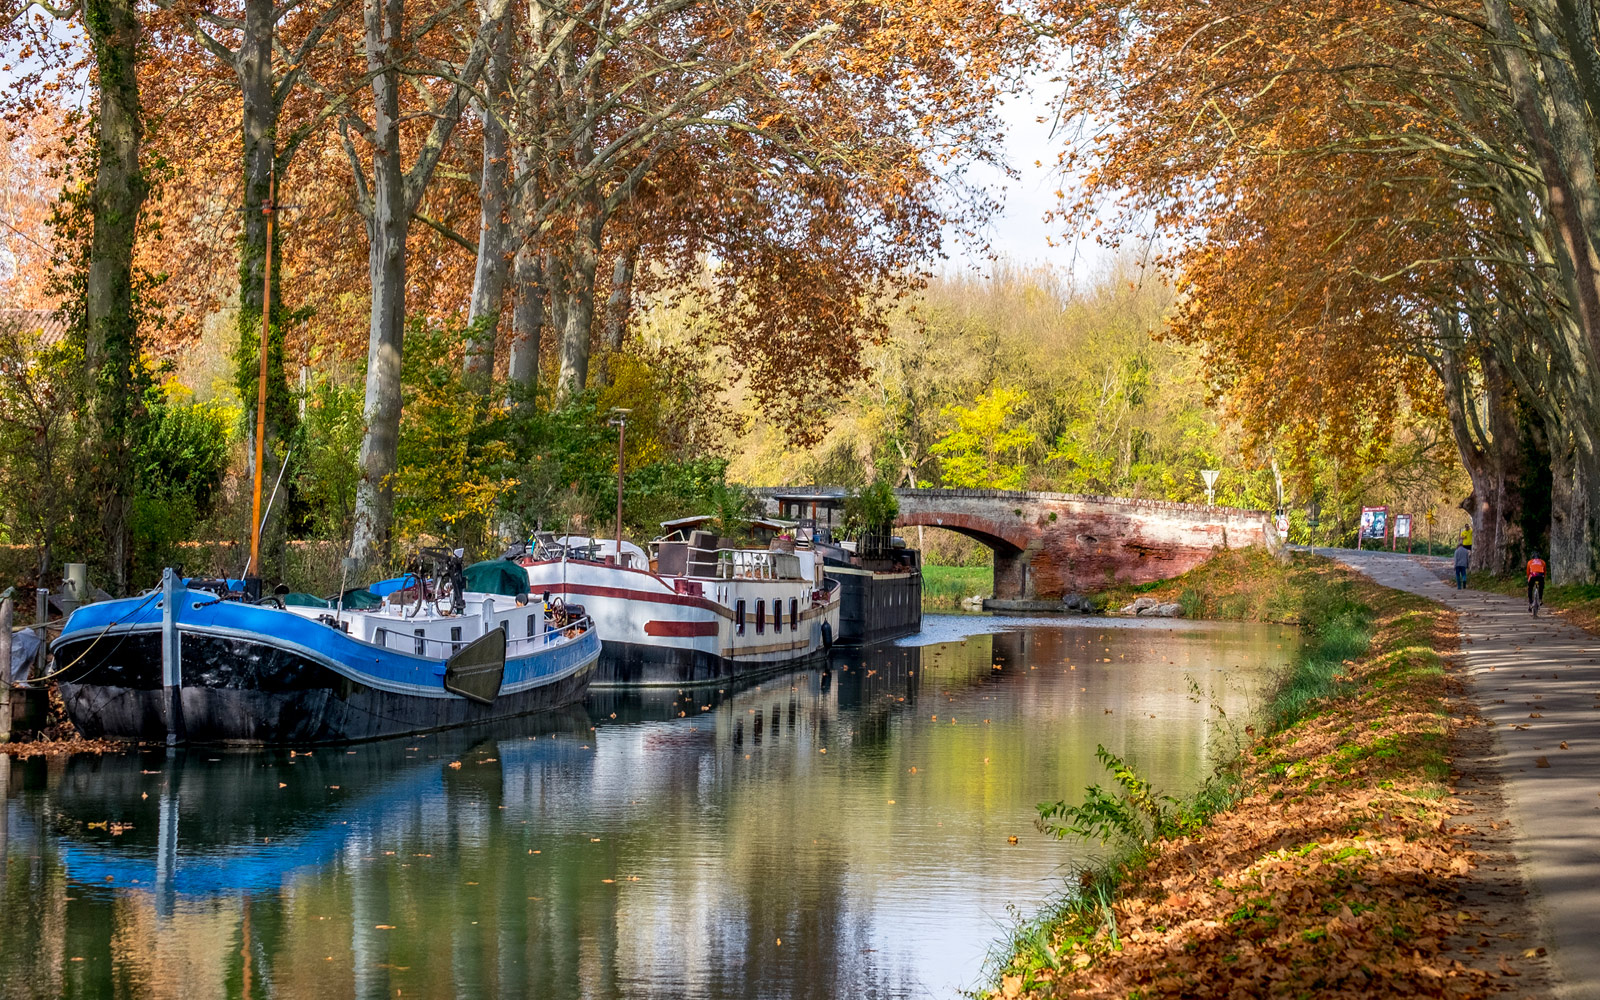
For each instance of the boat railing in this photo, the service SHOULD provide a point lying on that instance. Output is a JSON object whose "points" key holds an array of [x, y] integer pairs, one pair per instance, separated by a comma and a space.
{"points": [[752, 564], [434, 648]]}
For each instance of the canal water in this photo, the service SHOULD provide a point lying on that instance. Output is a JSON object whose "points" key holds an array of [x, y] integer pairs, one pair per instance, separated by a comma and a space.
{"points": [[828, 833]]}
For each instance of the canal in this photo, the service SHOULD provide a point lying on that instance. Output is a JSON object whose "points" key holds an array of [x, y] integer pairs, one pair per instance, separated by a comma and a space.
{"points": [[821, 834]]}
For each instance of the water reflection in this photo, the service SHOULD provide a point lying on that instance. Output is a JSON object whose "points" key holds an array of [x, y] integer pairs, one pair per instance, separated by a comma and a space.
{"points": [[837, 831]]}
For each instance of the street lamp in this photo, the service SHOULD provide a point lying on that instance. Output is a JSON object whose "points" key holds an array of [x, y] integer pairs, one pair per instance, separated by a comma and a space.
{"points": [[619, 420], [1210, 476]]}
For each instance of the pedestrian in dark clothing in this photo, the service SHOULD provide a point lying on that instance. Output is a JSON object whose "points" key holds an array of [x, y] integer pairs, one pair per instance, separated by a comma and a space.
{"points": [[1463, 558]]}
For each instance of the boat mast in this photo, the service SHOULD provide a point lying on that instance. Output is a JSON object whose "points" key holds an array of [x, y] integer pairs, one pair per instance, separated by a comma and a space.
{"points": [[262, 347]]}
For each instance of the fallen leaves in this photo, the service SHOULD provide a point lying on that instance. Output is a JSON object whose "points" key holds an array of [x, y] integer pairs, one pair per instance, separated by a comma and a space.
{"points": [[1333, 877]]}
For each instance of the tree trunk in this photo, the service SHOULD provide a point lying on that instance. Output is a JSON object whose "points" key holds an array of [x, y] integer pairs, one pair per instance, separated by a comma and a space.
{"points": [[620, 302], [112, 344], [527, 318], [489, 280], [386, 267], [576, 337]]}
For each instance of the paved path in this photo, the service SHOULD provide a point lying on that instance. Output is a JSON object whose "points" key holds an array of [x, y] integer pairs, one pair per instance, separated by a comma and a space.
{"points": [[1539, 681]]}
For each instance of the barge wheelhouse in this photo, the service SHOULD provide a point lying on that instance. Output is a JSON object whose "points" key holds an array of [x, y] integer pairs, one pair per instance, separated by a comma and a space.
{"points": [[880, 579]]}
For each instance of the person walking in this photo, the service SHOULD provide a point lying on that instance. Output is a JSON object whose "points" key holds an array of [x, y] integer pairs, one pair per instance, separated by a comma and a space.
{"points": [[1536, 574], [1463, 559]]}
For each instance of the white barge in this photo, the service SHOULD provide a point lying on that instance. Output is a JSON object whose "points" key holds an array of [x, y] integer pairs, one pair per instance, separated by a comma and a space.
{"points": [[695, 611]]}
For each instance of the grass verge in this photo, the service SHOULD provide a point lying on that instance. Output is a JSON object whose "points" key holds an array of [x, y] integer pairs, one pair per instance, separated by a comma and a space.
{"points": [[1317, 863], [945, 587], [1234, 585]]}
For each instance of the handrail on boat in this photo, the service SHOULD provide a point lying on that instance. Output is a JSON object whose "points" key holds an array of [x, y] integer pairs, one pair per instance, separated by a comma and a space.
{"points": [[418, 645]]}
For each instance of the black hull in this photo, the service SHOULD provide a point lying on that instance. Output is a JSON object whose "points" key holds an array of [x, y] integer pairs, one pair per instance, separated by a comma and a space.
{"points": [[242, 691], [877, 608], [634, 664]]}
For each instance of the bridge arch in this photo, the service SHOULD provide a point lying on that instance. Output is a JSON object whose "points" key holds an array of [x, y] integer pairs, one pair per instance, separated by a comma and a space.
{"points": [[1011, 544], [986, 530]]}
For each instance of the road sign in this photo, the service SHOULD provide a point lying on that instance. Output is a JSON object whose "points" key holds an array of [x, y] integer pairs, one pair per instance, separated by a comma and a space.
{"points": [[1210, 476]]}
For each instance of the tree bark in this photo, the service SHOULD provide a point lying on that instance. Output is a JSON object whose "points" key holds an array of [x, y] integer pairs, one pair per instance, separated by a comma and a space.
{"points": [[620, 303], [577, 336], [1491, 453], [112, 343], [489, 279], [527, 318], [387, 221]]}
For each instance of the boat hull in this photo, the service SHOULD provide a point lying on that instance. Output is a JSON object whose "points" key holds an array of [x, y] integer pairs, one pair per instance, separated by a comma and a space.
{"points": [[637, 664], [264, 686], [876, 606]]}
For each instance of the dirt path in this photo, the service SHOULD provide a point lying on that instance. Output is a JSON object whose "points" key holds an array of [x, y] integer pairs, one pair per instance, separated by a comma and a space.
{"points": [[1538, 683]]}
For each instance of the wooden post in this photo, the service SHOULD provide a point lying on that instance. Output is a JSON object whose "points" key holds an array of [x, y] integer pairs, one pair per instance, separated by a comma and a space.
{"points": [[6, 614], [171, 656], [41, 615]]}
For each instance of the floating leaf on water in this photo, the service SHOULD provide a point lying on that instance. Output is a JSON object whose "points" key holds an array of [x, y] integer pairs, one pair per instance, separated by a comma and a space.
{"points": [[383, 927], [455, 765]]}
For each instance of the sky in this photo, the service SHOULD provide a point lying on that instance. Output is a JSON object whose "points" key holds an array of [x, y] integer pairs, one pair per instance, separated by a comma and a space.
{"points": [[1018, 232]]}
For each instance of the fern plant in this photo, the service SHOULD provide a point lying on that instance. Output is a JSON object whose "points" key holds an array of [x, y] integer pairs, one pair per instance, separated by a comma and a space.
{"points": [[1132, 813]]}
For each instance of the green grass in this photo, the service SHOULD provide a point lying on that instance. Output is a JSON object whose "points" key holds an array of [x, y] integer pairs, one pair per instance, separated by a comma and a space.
{"points": [[1339, 628], [944, 587]]}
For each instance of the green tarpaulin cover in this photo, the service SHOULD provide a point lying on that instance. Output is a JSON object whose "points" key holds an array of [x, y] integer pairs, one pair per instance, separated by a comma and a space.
{"points": [[497, 576], [305, 601], [361, 599]]}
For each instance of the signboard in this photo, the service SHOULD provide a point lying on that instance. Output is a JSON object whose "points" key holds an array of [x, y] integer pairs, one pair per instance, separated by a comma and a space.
{"points": [[1282, 522], [1402, 526], [1375, 522]]}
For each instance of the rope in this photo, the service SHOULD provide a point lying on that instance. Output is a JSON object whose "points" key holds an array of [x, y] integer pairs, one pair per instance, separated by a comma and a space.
{"points": [[109, 625]]}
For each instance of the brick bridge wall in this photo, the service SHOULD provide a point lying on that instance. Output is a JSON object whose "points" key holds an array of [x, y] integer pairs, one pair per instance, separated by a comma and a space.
{"points": [[1048, 545]]}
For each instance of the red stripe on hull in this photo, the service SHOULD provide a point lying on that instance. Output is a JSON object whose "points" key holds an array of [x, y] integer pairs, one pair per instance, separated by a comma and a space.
{"points": [[680, 630]]}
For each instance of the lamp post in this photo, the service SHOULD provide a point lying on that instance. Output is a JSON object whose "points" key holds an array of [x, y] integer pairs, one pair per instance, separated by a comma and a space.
{"points": [[1210, 476], [619, 420]]}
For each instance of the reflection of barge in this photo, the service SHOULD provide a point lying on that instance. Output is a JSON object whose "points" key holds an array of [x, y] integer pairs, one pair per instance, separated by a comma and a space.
{"points": [[701, 610], [880, 579]]}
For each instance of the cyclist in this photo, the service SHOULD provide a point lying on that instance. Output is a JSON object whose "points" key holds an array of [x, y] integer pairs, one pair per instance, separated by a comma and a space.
{"points": [[1536, 574]]}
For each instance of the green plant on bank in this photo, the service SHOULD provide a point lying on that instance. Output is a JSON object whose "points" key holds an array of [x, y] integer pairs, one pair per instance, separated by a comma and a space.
{"points": [[1134, 814]]}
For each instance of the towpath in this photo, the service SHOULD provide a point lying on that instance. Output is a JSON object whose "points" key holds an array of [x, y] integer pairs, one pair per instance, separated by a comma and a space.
{"points": [[1538, 680]]}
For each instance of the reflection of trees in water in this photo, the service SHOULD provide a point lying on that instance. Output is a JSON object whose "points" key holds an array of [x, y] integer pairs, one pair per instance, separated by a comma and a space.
{"points": [[741, 831]]}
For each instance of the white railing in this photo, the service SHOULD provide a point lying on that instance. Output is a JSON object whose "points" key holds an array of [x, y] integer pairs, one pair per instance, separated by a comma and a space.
{"points": [[426, 646]]}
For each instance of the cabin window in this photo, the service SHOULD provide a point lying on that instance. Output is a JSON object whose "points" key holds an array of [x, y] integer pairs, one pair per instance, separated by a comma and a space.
{"points": [[532, 629], [422, 643], [455, 633], [794, 612], [505, 626], [777, 616], [761, 617], [738, 618]]}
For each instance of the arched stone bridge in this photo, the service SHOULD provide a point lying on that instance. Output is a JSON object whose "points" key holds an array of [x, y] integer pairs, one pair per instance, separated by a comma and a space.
{"points": [[1049, 545]]}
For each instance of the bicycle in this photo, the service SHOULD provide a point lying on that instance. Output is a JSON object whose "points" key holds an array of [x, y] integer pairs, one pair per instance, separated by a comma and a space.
{"points": [[1536, 597]]}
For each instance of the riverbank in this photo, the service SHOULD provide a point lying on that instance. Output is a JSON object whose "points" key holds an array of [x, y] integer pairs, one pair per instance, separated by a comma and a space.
{"points": [[1326, 860], [945, 587]]}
